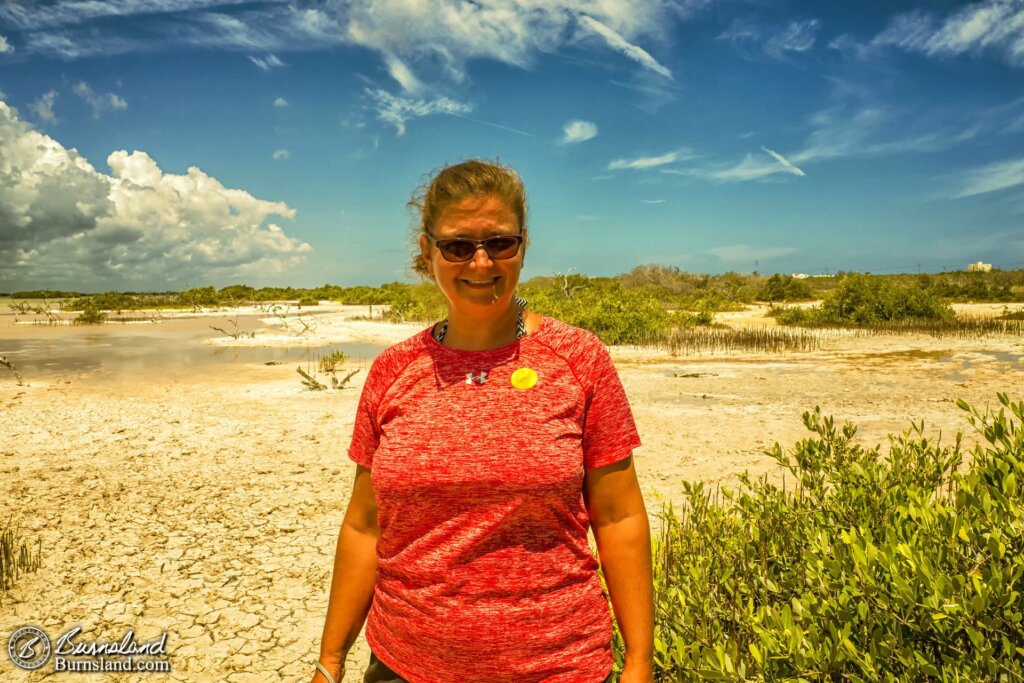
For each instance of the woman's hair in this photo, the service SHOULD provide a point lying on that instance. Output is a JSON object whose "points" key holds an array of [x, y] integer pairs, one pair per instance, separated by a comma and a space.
{"points": [[455, 182]]}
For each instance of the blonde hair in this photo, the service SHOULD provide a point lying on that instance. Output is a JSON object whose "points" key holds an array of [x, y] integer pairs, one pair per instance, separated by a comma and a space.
{"points": [[455, 182]]}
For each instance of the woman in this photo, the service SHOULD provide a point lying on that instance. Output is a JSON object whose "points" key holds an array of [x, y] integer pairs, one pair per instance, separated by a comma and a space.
{"points": [[485, 447]]}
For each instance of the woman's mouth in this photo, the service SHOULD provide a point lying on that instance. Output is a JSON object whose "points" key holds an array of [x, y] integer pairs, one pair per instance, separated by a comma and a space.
{"points": [[481, 283]]}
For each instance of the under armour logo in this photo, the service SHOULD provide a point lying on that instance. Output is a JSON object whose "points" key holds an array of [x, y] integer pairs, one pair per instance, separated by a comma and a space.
{"points": [[480, 379]]}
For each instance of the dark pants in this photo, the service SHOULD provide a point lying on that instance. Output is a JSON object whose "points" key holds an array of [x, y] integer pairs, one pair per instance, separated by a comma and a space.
{"points": [[378, 672]]}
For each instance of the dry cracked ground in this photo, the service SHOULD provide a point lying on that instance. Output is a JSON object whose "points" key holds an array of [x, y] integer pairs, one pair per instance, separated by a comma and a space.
{"points": [[206, 503]]}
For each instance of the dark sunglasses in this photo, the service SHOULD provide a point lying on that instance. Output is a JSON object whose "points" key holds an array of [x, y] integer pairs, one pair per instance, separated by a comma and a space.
{"points": [[497, 247]]}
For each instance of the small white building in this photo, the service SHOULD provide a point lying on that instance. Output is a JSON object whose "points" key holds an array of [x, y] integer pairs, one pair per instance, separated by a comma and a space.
{"points": [[979, 267]]}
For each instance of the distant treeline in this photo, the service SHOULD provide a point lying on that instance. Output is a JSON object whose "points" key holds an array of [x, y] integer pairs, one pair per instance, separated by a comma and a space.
{"points": [[645, 304]]}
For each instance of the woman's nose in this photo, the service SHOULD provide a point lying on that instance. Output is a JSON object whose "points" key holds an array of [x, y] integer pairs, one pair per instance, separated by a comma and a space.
{"points": [[480, 258]]}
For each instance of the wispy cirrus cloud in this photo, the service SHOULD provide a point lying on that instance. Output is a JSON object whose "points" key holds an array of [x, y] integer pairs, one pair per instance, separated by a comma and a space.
{"points": [[427, 41], [640, 163], [43, 107], [99, 102], [992, 26], [774, 41], [578, 131], [266, 63], [1000, 175], [397, 111], [617, 42]]}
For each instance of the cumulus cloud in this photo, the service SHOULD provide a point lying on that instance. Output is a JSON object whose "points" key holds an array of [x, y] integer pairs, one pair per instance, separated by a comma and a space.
{"points": [[281, 154], [99, 103], [64, 223], [266, 63], [995, 26], [643, 162], [43, 107], [744, 253], [397, 110], [992, 178], [280, 102], [5, 46], [578, 131]]}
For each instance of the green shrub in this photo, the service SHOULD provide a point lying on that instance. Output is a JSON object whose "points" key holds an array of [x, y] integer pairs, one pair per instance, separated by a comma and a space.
{"points": [[903, 567], [617, 315], [309, 300], [91, 314], [860, 300], [784, 288]]}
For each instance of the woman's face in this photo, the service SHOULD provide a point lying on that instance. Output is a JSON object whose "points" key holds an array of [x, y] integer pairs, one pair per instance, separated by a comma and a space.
{"points": [[482, 284]]}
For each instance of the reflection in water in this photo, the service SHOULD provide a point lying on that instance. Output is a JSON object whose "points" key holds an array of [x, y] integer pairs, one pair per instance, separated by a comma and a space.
{"points": [[173, 347]]}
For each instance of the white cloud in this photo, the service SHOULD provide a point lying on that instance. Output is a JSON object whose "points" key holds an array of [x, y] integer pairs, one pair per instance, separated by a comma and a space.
{"points": [[266, 63], [397, 110], [992, 25], [617, 42], [43, 107], [99, 103], [992, 178], [281, 154], [402, 74], [784, 162], [653, 201], [436, 38], [743, 253], [63, 222], [280, 102], [796, 36], [5, 46], [643, 162], [578, 131]]}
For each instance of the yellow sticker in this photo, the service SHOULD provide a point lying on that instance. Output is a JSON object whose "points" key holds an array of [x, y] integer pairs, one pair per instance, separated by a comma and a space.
{"points": [[524, 378]]}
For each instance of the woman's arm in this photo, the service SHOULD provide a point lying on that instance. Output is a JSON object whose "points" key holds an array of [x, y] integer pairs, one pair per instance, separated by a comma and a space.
{"points": [[355, 573], [623, 534]]}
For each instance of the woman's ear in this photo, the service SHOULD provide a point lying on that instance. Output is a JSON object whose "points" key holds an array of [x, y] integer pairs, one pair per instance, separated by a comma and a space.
{"points": [[425, 253]]}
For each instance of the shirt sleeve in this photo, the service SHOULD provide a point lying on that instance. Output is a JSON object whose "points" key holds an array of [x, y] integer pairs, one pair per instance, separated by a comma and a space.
{"points": [[609, 432], [366, 431]]}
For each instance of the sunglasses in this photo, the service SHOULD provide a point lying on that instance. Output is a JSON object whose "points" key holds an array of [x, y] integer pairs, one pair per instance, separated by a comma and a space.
{"points": [[460, 250]]}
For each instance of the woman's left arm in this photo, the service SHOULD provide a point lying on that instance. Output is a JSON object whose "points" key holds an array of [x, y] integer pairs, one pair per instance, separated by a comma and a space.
{"points": [[623, 534]]}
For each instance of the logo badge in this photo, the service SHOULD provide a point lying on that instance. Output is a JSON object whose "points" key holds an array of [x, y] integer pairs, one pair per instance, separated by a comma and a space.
{"points": [[29, 648], [524, 378], [479, 379]]}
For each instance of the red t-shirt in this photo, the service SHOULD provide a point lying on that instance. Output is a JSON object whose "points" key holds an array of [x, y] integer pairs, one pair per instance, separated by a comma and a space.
{"points": [[484, 572]]}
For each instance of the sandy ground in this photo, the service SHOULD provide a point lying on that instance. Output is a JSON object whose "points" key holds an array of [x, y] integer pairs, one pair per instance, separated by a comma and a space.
{"points": [[205, 501]]}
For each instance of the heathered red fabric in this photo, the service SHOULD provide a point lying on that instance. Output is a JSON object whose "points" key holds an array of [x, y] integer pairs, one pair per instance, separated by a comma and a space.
{"points": [[484, 570]]}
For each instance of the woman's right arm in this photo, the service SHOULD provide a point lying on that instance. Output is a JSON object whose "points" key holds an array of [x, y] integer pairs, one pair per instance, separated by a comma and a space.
{"points": [[355, 573]]}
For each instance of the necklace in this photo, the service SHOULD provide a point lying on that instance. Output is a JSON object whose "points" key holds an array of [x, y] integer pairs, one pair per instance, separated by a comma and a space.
{"points": [[520, 304]]}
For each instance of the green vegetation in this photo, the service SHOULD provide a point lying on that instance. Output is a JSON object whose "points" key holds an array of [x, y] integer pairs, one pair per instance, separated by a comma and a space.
{"points": [[15, 557], [651, 305], [785, 288], [859, 300], [91, 315], [869, 567]]}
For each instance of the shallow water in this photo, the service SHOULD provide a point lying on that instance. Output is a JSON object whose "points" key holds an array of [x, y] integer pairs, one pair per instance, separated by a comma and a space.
{"points": [[170, 347]]}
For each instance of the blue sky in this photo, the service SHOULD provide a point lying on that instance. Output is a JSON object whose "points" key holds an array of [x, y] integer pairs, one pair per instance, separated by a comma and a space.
{"points": [[174, 143]]}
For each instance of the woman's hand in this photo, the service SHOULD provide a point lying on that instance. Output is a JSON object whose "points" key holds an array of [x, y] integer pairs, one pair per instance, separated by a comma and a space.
{"points": [[335, 665], [637, 673]]}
